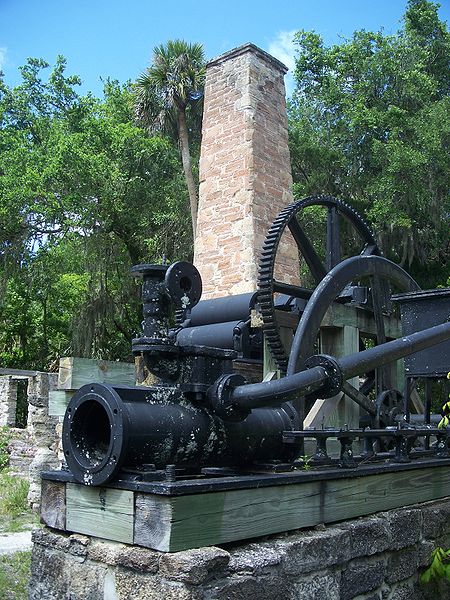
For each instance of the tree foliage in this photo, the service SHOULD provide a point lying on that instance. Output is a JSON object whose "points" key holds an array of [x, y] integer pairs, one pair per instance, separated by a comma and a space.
{"points": [[86, 190], [168, 98], [370, 123], [85, 194]]}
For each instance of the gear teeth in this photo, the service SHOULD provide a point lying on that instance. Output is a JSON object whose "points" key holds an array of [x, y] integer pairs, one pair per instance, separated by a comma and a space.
{"points": [[267, 263]]}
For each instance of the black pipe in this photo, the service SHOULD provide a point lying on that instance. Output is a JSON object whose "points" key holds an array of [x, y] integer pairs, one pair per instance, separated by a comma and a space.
{"points": [[108, 428], [367, 360], [219, 310], [274, 393]]}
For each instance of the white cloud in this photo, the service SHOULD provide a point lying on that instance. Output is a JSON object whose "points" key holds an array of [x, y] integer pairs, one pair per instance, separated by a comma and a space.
{"points": [[282, 47], [3, 52]]}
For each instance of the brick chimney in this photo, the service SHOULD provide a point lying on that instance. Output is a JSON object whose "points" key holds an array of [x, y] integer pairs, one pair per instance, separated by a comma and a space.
{"points": [[245, 174]]}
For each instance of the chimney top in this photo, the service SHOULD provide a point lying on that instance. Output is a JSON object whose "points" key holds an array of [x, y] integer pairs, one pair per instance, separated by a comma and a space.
{"points": [[249, 48]]}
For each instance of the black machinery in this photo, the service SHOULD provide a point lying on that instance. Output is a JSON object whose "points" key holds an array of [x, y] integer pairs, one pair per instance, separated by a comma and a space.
{"points": [[202, 418]]}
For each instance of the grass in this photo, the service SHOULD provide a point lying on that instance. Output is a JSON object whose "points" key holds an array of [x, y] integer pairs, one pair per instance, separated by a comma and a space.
{"points": [[13, 494], [15, 515], [14, 576]]}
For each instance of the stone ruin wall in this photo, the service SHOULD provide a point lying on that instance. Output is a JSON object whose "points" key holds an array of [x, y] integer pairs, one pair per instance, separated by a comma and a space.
{"points": [[34, 448], [8, 401], [245, 174], [371, 558]]}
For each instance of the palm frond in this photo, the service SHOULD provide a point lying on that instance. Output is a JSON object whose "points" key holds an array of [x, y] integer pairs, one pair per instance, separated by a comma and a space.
{"points": [[174, 81]]}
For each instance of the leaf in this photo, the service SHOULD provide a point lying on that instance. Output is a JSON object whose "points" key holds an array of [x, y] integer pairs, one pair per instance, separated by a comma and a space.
{"points": [[369, 121]]}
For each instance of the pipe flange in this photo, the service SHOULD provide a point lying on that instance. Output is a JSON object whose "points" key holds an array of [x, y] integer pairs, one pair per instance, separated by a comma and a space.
{"points": [[333, 384], [95, 434], [219, 395], [184, 285]]}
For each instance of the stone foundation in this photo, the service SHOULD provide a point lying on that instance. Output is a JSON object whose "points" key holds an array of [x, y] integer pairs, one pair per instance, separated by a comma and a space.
{"points": [[21, 452], [43, 432], [373, 558]]}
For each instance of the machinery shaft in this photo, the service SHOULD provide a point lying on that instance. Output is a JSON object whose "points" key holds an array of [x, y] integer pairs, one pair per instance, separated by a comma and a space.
{"points": [[315, 379]]}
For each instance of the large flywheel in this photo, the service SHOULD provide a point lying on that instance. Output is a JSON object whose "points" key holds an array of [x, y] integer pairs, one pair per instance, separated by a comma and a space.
{"points": [[338, 272], [318, 256]]}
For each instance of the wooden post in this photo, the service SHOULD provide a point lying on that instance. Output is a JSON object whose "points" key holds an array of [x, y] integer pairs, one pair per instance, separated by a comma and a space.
{"points": [[75, 372], [339, 410], [99, 511]]}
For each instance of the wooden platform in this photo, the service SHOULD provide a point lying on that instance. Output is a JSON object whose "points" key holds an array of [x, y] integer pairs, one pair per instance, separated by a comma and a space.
{"points": [[75, 372], [160, 516]]}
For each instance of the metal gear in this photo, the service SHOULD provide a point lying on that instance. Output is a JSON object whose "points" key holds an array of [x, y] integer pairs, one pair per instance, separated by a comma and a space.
{"points": [[268, 286], [389, 404]]}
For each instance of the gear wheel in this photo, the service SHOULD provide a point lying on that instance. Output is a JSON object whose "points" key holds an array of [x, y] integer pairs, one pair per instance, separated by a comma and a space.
{"points": [[268, 286]]}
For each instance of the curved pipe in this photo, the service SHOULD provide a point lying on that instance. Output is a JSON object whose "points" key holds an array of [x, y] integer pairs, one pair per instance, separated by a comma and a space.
{"points": [[329, 288], [275, 393]]}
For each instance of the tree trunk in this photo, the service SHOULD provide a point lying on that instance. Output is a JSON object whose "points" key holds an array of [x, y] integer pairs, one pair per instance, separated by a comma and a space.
{"points": [[187, 167]]}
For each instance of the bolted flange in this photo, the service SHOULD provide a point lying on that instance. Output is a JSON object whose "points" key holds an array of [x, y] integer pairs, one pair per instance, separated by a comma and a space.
{"points": [[334, 381], [219, 395]]}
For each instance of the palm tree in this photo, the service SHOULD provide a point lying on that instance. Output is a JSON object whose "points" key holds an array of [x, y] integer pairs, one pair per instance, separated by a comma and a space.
{"points": [[165, 93]]}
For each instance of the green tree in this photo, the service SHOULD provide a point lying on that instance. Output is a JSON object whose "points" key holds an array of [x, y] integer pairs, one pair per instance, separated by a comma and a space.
{"points": [[84, 194], [167, 93], [370, 122]]}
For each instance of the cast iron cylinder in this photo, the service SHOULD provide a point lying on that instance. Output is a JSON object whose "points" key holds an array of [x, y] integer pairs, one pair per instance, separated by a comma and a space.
{"points": [[107, 428]]}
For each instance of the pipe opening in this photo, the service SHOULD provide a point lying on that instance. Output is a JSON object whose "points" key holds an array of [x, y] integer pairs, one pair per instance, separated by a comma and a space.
{"points": [[185, 284], [90, 434]]}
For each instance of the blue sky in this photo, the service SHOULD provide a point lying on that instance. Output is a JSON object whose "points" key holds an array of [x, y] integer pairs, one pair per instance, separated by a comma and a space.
{"points": [[115, 38]]}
